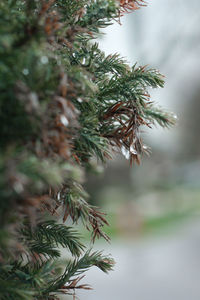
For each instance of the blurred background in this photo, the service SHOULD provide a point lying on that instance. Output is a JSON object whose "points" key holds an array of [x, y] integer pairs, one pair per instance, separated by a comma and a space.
{"points": [[154, 209]]}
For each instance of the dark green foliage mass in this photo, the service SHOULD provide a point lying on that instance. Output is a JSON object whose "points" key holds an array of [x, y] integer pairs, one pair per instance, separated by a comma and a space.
{"points": [[62, 104]]}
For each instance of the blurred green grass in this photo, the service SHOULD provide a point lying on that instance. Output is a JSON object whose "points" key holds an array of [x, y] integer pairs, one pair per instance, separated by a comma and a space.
{"points": [[175, 206]]}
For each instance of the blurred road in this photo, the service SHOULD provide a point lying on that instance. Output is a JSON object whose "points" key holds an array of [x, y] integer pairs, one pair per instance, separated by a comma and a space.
{"points": [[162, 268]]}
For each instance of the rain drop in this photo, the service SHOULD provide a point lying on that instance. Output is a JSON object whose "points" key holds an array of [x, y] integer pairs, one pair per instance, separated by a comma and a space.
{"points": [[18, 187], [84, 60], [133, 150], [64, 120], [44, 60], [25, 72], [125, 152]]}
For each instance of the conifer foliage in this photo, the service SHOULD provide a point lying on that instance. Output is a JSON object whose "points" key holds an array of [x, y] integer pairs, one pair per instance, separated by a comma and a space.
{"points": [[62, 104]]}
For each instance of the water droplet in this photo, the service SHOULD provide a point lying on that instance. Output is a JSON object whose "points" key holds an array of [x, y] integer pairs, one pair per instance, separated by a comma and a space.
{"points": [[116, 123], [125, 152], [64, 120], [18, 187], [25, 72], [44, 60], [133, 150], [175, 117], [83, 61]]}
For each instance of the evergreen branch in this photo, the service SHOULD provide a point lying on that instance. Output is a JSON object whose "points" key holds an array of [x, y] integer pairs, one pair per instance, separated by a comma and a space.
{"points": [[50, 233], [19, 281], [90, 144], [161, 117], [128, 86], [80, 266], [77, 208], [99, 14], [63, 102], [14, 290], [94, 60], [112, 64], [130, 5], [43, 249]]}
